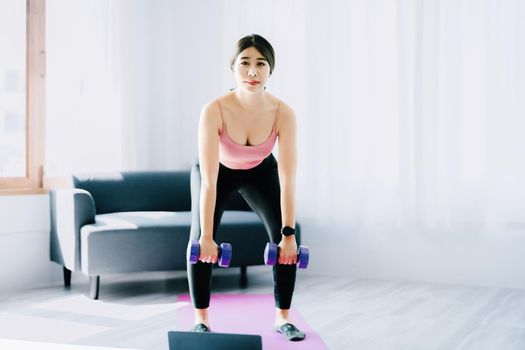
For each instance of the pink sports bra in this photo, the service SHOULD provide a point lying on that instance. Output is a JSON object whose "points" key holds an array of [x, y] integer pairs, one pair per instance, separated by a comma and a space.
{"points": [[242, 157]]}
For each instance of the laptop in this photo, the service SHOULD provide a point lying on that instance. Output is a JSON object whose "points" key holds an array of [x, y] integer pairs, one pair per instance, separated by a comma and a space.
{"points": [[215, 341]]}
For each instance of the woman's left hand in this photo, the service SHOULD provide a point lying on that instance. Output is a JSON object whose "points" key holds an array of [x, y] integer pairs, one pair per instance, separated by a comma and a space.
{"points": [[288, 250]]}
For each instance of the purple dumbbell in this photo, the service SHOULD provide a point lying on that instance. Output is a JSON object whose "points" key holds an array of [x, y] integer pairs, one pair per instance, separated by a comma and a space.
{"points": [[271, 253], [225, 253]]}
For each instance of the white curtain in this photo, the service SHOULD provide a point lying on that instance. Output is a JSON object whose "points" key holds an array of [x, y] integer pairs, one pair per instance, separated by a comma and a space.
{"points": [[410, 113], [422, 124], [84, 121]]}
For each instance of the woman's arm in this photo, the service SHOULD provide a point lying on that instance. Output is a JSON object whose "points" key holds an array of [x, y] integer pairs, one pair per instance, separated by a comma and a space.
{"points": [[208, 136], [287, 164]]}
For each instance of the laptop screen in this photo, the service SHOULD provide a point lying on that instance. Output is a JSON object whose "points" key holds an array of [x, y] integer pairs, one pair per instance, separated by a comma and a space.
{"points": [[216, 341]]}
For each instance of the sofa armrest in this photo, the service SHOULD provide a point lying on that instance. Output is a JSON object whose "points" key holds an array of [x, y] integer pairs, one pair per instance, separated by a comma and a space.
{"points": [[71, 209]]}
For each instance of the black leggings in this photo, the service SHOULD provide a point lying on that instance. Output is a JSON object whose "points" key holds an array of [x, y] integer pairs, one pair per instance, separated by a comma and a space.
{"points": [[260, 188]]}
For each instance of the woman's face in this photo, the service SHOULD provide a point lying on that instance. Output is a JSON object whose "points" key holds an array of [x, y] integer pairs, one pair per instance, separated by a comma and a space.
{"points": [[251, 70]]}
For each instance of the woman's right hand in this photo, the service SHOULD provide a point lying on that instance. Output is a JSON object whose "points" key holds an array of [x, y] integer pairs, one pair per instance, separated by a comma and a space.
{"points": [[209, 250]]}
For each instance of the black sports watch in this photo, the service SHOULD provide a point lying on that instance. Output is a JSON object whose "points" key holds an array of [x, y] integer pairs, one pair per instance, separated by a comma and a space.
{"points": [[287, 231]]}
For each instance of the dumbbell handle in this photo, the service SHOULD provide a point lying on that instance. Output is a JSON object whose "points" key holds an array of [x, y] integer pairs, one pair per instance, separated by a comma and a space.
{"points": [[224, 258], [271, 254]]}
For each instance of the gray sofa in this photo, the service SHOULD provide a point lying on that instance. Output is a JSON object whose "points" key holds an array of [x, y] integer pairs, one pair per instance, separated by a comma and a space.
{"points": [[140, 221]]}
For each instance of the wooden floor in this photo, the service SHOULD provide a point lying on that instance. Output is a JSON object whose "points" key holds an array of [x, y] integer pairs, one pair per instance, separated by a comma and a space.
{"points": [[136, 311]]}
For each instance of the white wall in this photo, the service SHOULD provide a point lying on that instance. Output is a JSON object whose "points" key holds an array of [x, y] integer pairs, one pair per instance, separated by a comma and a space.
{"points": [[24, 243], [471, 256]]}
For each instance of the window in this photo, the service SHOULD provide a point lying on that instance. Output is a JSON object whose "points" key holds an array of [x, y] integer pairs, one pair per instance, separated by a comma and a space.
{"points": [[22, 74]]}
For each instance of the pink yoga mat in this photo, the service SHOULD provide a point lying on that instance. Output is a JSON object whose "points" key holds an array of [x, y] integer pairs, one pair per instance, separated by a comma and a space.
{"points": [[249, 314]]}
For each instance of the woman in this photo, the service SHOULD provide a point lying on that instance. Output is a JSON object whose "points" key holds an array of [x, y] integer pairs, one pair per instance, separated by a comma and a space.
{"points": [[235, 155]]}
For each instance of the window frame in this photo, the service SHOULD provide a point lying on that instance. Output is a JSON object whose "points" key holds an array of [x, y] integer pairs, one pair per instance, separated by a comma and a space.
{"points": [[33, 182]]}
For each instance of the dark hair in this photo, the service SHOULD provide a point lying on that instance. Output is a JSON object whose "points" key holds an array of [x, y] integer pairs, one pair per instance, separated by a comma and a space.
{"points": [[260, 43]]}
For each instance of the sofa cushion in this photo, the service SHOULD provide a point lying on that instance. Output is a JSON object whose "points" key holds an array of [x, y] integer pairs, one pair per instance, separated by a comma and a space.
{"points": [[145, 241]]}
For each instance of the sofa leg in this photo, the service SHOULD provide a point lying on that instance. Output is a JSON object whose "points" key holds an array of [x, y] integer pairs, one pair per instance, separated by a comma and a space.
{"points": [[94, 285], [244, 277], [67, 277]]}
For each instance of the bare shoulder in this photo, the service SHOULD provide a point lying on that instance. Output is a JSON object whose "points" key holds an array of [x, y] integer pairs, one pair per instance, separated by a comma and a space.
{"points": [[286, 116], [211, 115], [211, 107], [285, 110], [225, 100]]}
